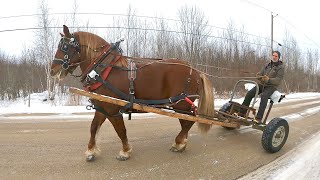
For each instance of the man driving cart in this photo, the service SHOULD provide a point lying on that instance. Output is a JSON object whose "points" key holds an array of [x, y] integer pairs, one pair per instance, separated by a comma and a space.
{"points": [[269, 79]]}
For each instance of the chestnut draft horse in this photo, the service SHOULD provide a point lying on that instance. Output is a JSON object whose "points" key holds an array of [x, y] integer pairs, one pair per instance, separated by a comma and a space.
{"points": [[166, 82]]}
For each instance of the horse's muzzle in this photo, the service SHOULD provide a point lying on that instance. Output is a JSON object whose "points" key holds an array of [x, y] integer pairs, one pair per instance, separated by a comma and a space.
{"points": [[55, 70]]}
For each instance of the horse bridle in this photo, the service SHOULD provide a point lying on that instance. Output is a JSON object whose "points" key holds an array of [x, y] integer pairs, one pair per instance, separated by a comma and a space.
{"points": [[64, 46]]}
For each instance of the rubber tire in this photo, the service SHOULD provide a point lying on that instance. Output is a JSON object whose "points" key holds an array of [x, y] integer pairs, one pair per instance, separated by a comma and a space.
{"points": [[225, 108], [268, 133]]}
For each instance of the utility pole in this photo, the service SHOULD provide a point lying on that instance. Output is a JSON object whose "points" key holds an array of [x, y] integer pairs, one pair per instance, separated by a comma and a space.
{"points": [[271, 32], [272, 16]]}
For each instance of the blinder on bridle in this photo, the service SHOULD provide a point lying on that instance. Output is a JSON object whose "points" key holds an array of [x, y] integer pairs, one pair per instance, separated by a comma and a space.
{"points": [[64, 46]]}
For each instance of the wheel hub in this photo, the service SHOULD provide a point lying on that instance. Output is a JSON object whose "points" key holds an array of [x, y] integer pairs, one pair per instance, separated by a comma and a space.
{"points": [[278, 136]]}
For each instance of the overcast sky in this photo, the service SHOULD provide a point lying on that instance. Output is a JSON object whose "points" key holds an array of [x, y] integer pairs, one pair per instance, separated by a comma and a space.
{"points": [[299, 17]]}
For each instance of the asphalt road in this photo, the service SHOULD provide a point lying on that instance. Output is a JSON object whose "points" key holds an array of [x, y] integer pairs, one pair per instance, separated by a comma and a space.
{"points": [[53, 148]]}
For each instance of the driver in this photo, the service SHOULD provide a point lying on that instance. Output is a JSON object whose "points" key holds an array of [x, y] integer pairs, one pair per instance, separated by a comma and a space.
{"points": [[269, 79]]}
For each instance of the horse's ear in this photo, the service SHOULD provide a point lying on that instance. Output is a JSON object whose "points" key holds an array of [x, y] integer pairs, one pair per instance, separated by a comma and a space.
{"points": [[61, 35], [66, 31]]}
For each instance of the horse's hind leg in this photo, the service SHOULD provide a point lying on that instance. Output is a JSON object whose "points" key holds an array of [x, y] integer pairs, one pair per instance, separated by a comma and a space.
{"points": [[120, 128], [182, 138], [96, 123]]}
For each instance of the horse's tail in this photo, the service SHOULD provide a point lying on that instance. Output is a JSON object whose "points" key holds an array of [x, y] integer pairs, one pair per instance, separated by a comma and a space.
{"points": [[206, 102]]}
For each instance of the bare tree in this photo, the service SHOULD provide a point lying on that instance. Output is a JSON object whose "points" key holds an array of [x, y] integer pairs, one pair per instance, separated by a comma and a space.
{"points": [[45, 45], [164, 41], [316, 70], [311, 67], [194, 27], [293, 60], [130, 24], [74, 20]]}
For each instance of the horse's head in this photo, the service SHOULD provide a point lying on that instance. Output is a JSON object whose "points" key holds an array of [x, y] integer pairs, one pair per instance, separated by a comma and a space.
{"points": [[67, 56]]}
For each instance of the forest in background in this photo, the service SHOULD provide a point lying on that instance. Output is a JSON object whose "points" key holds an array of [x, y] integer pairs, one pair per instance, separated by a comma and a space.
{"points": [[226, 55]]}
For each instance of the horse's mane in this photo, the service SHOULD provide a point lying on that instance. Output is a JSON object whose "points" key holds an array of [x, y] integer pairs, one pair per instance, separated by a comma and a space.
{"points": [[93, 46]]}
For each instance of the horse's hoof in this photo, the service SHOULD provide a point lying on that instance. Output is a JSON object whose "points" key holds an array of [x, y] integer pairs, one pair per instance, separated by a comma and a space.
{"points": [[122, 158], [174, 149], [90, 158]]}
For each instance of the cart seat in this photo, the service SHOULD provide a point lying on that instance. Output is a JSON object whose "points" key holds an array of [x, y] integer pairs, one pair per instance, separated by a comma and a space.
{"points": [[277, 96]]}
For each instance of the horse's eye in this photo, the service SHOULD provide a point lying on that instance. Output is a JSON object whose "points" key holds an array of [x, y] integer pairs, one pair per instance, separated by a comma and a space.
{"points": [[64, 47]]}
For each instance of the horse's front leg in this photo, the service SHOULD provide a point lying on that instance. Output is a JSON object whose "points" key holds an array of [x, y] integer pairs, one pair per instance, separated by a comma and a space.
{"points": [[182, 138], [119, 126], [96, 123]]}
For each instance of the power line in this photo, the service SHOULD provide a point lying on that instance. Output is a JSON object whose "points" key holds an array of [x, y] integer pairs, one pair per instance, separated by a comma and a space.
{"points": [[132, 28], [21, 29], [18, 16], [300, 31], [259, 6], [146, 29], [149, 17]]}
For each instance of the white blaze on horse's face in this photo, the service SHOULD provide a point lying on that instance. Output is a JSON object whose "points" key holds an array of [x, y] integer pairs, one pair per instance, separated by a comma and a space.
{"points": [[56, 69]]}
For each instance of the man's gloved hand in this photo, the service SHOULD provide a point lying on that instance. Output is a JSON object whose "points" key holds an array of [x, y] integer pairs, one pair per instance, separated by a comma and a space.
{"points": [[258, 76], [264, 79]]}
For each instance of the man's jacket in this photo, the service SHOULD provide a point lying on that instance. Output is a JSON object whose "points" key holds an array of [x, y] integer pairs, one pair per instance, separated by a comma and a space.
{"points": [[275, 72]]}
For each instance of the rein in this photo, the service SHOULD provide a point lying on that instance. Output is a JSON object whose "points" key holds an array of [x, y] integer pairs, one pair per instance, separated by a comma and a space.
{"points": [[158, 60]]}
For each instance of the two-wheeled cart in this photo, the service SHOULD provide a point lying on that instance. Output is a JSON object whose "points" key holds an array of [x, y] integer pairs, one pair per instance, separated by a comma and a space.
{"points": [[275, 133]]}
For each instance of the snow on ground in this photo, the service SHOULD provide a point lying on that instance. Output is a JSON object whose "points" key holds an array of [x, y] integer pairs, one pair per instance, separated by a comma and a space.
{"points": [[38, 104], [302, 163]]}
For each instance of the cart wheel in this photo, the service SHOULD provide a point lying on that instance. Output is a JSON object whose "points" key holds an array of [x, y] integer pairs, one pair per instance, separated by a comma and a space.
{"points": [[229, 128], [225, 108], [275, 135]]}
